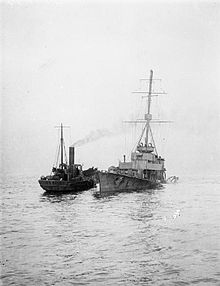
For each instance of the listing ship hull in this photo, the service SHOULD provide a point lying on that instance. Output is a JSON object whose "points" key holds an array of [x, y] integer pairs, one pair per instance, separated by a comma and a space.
{"points": [[112, 183], [55, 186]]}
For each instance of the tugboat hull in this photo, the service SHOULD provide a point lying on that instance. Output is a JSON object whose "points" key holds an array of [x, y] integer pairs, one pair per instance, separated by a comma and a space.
{"points": [[111, 183], [55, 186]]}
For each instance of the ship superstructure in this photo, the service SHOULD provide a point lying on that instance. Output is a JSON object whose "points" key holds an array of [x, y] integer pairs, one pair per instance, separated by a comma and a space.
{"points": [[146, 168]]}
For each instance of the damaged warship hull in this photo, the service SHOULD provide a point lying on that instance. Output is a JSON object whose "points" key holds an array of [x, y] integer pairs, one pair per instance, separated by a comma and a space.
{"points": [[112, 182]]}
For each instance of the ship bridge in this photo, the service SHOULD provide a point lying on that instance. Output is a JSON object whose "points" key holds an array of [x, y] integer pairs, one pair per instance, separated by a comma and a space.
{"points": [[143, 161]]}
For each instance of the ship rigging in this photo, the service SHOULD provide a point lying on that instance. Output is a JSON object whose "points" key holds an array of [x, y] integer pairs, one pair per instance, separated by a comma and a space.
{"points": [[146, 168]]}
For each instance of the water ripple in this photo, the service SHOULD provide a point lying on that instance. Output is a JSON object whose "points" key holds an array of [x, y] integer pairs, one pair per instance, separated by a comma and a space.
{"points": [[168, 237]]}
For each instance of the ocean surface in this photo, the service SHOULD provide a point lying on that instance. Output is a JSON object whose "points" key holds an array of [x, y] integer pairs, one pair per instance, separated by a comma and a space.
{"points": [[165, 237]]}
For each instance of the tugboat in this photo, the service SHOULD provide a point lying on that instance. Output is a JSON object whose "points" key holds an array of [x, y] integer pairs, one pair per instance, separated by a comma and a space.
{"points": [[146, 170], [67, 178]]}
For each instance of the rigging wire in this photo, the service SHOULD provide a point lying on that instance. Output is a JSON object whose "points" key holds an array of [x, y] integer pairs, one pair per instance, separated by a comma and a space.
{"points": [[142, 133], [65, 152], [70, 136], [133, 139], [125, 138], [57, 150], [58, 156], [153, 140]]}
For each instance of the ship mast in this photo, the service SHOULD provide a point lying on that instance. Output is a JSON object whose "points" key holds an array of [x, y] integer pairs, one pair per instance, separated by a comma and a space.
{"points": [[148, 116], [61, 144], [62, 150]]}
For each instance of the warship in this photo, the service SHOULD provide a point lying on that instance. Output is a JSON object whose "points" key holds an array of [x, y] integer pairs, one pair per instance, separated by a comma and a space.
{"points": [[67, 177], [146, 169]]}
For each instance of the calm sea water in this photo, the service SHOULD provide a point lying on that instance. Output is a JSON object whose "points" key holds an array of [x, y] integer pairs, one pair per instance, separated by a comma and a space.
{"points": [[168, 237]]}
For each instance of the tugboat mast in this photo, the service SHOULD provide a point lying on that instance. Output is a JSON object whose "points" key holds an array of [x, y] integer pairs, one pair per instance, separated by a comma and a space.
{"points": [[62, 150], [61, 144]]}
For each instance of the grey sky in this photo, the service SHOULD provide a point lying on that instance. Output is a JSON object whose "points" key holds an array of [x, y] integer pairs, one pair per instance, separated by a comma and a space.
{"points": [[77, 62]]}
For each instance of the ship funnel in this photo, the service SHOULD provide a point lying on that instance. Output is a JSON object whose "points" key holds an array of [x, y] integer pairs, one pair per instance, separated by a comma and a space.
{"points": [[71, 155]]}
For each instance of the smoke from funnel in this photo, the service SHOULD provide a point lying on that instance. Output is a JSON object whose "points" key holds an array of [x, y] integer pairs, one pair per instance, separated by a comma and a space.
{"points": [[93, 136]]}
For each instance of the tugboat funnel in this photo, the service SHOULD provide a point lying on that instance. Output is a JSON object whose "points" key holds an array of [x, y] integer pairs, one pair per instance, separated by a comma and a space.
{"points": [[71, 155]]}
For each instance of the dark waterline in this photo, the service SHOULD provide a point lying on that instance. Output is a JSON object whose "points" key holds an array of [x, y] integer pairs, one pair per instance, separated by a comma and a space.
{"points": [[168, 237]]}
